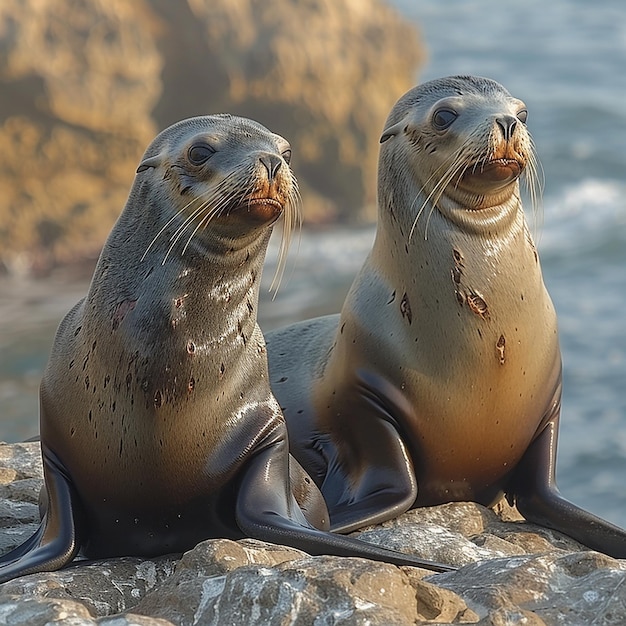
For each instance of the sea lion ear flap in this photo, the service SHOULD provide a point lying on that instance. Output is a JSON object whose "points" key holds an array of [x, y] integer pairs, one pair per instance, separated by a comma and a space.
{"points": [[153, 161], [388, 133]]}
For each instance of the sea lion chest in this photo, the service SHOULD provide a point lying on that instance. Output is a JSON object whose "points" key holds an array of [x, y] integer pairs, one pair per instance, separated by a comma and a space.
{"points": [[155, 392], [468, 352]]}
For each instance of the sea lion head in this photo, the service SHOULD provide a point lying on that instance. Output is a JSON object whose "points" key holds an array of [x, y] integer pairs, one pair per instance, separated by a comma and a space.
{"points": [[216, 180], [458, 144]]}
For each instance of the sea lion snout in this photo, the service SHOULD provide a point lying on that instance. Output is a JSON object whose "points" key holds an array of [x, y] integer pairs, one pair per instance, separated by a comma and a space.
{"points": [[272, 164], [507, 124]]}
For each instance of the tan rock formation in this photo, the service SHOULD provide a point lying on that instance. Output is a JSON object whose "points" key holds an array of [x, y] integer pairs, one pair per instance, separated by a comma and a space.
{"points": [[86, 84]]}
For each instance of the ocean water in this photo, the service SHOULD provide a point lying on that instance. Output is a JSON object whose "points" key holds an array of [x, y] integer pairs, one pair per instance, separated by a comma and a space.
{"points": [[565, 59]]}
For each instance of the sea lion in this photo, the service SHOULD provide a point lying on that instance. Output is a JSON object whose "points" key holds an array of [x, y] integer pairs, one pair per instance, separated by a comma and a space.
{"points": [[441, 378], [158, 427]]}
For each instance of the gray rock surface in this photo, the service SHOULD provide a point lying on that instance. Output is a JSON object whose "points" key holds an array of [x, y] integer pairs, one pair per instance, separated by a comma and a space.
{"points": [[510, 572]]}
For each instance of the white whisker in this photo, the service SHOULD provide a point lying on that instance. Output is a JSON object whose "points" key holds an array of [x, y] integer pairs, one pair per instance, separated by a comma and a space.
{"points": [[214, 212], [452, 167], [208, 199], [181, 230], [292, 219], [166, 225], [534, 182]]}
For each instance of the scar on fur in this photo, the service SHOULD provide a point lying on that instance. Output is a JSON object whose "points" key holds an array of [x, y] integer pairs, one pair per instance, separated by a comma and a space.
{"points": [[500, 349], [477, 304], [405, 308], [457, 273], [121, 310]]}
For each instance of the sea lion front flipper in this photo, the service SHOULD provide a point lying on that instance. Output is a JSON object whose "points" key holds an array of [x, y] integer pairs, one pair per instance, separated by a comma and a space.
{"points": [[267, 510], [386, 486], [56, 541], [537, 497], [370, 476]]}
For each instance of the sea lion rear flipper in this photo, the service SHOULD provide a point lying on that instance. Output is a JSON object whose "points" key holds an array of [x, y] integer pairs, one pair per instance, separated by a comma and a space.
{"points": [[267, 510], [55, 543], [537, 497], [308, 497]]}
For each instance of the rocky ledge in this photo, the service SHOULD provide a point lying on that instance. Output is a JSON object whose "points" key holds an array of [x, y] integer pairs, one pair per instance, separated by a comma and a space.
{"points": [[510, 572]]}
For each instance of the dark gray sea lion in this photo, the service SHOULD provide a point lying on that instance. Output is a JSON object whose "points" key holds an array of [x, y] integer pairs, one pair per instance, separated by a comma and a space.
{"points": [[158, 426], [441, 378]]}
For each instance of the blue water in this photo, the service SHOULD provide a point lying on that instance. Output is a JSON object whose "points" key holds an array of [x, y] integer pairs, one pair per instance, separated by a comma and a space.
{"points": [[567, 61]]}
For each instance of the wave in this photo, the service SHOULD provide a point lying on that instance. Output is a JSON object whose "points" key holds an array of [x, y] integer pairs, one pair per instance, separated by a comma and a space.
{"points": [[589, 216]]}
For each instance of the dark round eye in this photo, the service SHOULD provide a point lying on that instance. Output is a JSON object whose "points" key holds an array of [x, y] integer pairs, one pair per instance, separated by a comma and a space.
{"points": [[522, 116], [443, 118], [287, 156], [200, 153]]}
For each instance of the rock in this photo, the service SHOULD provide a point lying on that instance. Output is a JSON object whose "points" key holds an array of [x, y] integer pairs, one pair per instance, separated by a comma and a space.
{"points": [[130, 619], [21, 477], [86, 85], [201, 575], [566, 588], [79, 82], [40, 611], [43, 612], [510, 572], [329, 589], [463, 532], [436, 605], [102, 587]]}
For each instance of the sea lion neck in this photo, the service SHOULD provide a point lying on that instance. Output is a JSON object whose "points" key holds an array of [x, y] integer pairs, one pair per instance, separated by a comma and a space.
{"points": [[487, 216], [230, 253], [208, 286], [408, 209], [231, 277]]}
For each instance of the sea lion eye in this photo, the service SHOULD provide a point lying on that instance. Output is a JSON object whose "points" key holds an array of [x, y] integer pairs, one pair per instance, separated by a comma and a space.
{"points": [[287, 156], [522, 116], [443, 118], [200, 153]]}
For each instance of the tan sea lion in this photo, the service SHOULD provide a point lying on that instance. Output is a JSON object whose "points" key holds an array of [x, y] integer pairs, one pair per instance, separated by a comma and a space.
{"points": [[441, 379], [158, 426]]}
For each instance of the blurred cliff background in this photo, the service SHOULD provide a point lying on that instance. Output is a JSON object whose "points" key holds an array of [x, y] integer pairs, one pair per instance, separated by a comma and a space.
{"points": [[86, 84]]}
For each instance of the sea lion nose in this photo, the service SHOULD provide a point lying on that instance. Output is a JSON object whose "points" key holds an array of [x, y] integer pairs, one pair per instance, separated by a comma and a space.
{"points": [[507, 123], [272, 164]]}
